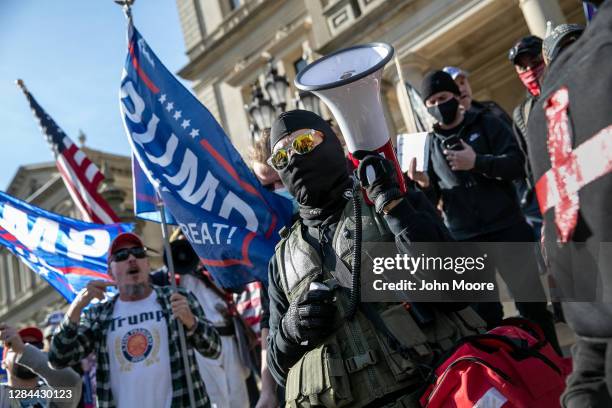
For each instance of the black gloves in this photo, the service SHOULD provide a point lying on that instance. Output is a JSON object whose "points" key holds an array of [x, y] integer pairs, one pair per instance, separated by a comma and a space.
{"points": [[378, 177], [309, 319]]}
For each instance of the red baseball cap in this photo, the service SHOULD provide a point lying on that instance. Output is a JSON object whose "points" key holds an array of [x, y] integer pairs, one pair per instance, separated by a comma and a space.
{"points": [[122, 239], [32, 332]]}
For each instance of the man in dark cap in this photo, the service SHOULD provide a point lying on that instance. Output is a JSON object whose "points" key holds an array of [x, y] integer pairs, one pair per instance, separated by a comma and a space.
{"points": [[473, 159], [526, 55], [326, 347]]}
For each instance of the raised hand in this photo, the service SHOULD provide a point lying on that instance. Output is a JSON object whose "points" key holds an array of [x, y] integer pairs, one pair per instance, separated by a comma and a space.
{"points": [[420, 177], [11, 338], [93, 290]]}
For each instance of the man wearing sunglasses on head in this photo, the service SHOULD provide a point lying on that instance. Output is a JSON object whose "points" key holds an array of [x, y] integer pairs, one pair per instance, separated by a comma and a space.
{"points": [[26, 365], [135, 335], [323, 353]]}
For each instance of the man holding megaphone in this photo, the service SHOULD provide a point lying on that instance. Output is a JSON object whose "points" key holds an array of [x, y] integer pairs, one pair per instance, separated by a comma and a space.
{"points": [[325, 346]]}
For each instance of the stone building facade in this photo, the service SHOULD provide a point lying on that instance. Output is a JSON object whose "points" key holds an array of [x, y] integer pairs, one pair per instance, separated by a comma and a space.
{"points": [[229, 43], [24, 297]]}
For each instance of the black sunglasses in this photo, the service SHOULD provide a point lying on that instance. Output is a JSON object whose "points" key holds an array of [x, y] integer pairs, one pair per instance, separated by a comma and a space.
{"points": [[123, 254]]}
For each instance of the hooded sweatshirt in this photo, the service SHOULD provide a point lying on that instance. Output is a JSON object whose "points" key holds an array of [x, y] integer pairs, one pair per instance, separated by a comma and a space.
{"points": [[481, 200]]}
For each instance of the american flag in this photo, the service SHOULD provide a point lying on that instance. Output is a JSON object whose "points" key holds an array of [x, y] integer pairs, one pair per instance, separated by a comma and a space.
{"points": [[248, 304], [80, 175]]}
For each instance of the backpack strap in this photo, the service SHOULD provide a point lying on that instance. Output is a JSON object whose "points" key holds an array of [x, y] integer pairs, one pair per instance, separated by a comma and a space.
{"points": [[529, 326], [520, 119]]}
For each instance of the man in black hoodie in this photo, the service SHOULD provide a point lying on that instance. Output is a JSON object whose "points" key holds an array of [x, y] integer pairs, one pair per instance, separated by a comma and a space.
{"points": [[473, 159]]}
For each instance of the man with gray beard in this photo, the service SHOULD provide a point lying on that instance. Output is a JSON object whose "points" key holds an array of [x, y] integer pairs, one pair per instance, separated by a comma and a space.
{"points": [[135, 335]]}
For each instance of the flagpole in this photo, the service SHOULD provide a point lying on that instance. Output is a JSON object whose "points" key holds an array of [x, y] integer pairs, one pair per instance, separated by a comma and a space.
{"points": [[127, 9], [162, 212]]}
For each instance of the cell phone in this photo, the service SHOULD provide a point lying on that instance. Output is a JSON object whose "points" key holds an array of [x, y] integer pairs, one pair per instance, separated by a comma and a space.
{"points": [[452, 143]]}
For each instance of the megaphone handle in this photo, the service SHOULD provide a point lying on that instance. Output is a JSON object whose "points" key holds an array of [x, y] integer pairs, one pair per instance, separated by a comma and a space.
{"points": [[354, 163], [389, 156], [388, 152]]}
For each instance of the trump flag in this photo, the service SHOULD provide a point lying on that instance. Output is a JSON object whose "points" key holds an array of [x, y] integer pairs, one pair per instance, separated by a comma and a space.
{"points": [[229, 219], [65, 252]]}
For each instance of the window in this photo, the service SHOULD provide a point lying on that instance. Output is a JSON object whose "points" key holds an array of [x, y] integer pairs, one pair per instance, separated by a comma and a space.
{"points": [[299, 65], [234, 4]]}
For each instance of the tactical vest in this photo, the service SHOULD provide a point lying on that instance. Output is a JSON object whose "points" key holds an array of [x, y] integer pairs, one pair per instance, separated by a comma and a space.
{"points": [[358, 364]]}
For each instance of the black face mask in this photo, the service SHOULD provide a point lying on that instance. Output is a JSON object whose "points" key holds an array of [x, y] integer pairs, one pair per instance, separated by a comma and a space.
{"points": [[318, 179], [23, 373], [445, 112]]}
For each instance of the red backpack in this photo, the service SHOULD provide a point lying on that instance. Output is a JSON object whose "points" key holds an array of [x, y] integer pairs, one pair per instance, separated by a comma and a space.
{"points": [[511, 366]]}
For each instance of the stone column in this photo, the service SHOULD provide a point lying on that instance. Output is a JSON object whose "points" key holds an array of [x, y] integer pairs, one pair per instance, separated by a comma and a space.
{"points": [[538, 12], [385, 89], [413, 71], [113, 195]]}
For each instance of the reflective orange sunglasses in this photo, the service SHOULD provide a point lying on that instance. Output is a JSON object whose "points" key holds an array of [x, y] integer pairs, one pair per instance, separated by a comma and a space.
{"points": [[302, 144]]}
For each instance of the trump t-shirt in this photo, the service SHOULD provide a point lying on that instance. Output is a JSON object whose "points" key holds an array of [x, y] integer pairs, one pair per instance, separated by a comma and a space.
{"points": [[137, 343]]}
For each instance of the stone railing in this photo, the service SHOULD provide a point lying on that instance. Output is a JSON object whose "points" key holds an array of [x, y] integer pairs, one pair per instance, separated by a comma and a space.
{"points": [[342, 14], [233, 20]]}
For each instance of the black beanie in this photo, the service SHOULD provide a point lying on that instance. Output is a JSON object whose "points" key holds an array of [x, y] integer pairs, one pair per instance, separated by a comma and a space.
{"points": [[437, 81], [290, 121]]}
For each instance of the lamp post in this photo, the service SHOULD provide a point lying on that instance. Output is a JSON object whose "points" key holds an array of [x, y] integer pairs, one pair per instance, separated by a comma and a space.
{"points": [[309, 102], [276, 86], [261, 109], [255, 132]]}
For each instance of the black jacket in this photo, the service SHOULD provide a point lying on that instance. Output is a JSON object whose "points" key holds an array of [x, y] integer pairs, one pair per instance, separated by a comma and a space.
{"points": [[492, 107], [582, 267], [481, 200], [413, 220], [525, 186]]}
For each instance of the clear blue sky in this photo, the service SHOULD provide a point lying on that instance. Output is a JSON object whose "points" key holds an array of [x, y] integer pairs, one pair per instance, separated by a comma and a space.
{"points": [[70, 54]]}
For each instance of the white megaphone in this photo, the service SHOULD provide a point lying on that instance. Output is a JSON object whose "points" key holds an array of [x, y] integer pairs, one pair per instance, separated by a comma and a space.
{"points": [[348, 81]]}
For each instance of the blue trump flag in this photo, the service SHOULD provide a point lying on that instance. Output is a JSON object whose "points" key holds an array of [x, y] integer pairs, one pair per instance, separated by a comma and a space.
{"points": [[229, 219], [145, 197], [65, 252]]}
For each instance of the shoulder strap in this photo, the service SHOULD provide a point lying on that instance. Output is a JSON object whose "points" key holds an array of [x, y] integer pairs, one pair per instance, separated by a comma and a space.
{"points": [[520, 119], [279, 250], [527, 110], [342, 273]]}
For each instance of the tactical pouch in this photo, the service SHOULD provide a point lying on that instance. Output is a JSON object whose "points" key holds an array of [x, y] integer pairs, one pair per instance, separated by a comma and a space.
{"points": [[468, 322], [442, 332], [319, 379], [403, 361]]}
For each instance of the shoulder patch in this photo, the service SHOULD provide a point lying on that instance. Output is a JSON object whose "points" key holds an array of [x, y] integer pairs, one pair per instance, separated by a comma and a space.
{"points": [[284, 232]]}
